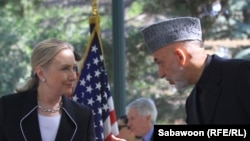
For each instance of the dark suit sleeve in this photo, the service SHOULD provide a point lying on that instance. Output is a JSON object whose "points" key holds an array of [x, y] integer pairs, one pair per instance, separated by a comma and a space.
{"points": [[91, 131], [243, 86], [1, 121]]}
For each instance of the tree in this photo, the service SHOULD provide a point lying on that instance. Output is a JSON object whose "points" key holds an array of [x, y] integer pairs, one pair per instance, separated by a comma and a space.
{"points": [[26, 22]]}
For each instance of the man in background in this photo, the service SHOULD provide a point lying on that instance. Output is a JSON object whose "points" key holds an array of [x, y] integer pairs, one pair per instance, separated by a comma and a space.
{"points": [[142, 115], [124, 130]]}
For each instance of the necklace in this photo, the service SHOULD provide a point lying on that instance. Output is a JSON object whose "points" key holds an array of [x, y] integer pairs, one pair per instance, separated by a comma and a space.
{"points": [[50, 110]]}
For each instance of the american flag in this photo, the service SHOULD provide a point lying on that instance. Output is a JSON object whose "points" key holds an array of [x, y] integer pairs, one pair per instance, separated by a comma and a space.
{"points": [[93, 88]]}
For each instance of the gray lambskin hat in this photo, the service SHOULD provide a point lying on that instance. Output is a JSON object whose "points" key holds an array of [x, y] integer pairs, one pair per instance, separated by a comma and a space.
{"points": [[166, 32]]}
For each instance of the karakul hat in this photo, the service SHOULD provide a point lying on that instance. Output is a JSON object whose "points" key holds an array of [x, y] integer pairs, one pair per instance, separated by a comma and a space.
{"points": [[166, 32]]}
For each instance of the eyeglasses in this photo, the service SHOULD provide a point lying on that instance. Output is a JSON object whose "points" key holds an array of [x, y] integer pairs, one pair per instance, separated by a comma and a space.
{"points": [[121, 126]]}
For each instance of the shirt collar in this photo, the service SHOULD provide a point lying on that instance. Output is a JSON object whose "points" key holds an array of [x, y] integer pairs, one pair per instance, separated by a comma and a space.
{"points": [[148, 136], [205, 75]]}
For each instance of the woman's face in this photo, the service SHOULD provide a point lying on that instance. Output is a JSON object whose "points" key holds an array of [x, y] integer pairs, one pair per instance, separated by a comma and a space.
{"points": [[124, 131], [61, 73]]}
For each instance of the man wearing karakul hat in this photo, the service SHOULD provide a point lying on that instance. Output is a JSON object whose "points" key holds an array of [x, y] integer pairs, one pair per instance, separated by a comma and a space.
{"points": [[222, 86]]}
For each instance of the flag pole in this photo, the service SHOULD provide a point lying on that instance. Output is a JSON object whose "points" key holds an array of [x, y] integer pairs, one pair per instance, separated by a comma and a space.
{"points": [[95, 4], [119, 57], [93, 88]]}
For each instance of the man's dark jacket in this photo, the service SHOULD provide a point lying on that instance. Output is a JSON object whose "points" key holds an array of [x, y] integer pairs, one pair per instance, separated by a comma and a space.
{"points": [[222, 95]]}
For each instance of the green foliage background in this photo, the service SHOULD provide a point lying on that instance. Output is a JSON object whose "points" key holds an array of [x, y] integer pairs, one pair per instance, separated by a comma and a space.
{"points": [[24, 23]]}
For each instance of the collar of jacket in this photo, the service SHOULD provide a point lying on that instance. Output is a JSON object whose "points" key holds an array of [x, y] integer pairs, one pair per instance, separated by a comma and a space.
{"points": [[29, 121]]}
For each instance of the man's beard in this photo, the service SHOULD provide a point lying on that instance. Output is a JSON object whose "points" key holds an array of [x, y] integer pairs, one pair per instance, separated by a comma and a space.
{"points": [[180, 81]]}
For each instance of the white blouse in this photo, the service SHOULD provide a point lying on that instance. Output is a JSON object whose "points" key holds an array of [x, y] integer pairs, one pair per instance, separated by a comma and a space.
{"points": [[49, 126]]}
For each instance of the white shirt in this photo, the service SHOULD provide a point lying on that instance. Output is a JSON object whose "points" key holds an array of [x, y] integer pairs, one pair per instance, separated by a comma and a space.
{"points": [[49, 126]]}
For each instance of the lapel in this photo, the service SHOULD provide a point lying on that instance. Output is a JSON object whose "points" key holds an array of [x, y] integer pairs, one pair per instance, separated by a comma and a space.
{"points": [[29, 123], [210, 94], [191, 108], [211, 91], [67, 127]]}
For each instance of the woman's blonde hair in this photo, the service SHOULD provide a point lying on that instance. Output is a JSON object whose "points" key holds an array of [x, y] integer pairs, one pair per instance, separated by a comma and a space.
{"points": [[42, 55]]}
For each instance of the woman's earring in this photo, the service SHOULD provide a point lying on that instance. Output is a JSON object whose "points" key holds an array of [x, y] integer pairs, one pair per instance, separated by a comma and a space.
{"points": [[43, 79]]}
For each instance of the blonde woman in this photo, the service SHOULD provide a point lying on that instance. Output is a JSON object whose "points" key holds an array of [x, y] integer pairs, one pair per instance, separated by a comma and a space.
{"points": [[41, 111]]}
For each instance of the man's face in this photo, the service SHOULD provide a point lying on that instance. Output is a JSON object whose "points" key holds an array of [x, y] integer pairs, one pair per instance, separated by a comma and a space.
{"points": [[169, 66], [138, 124]]}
